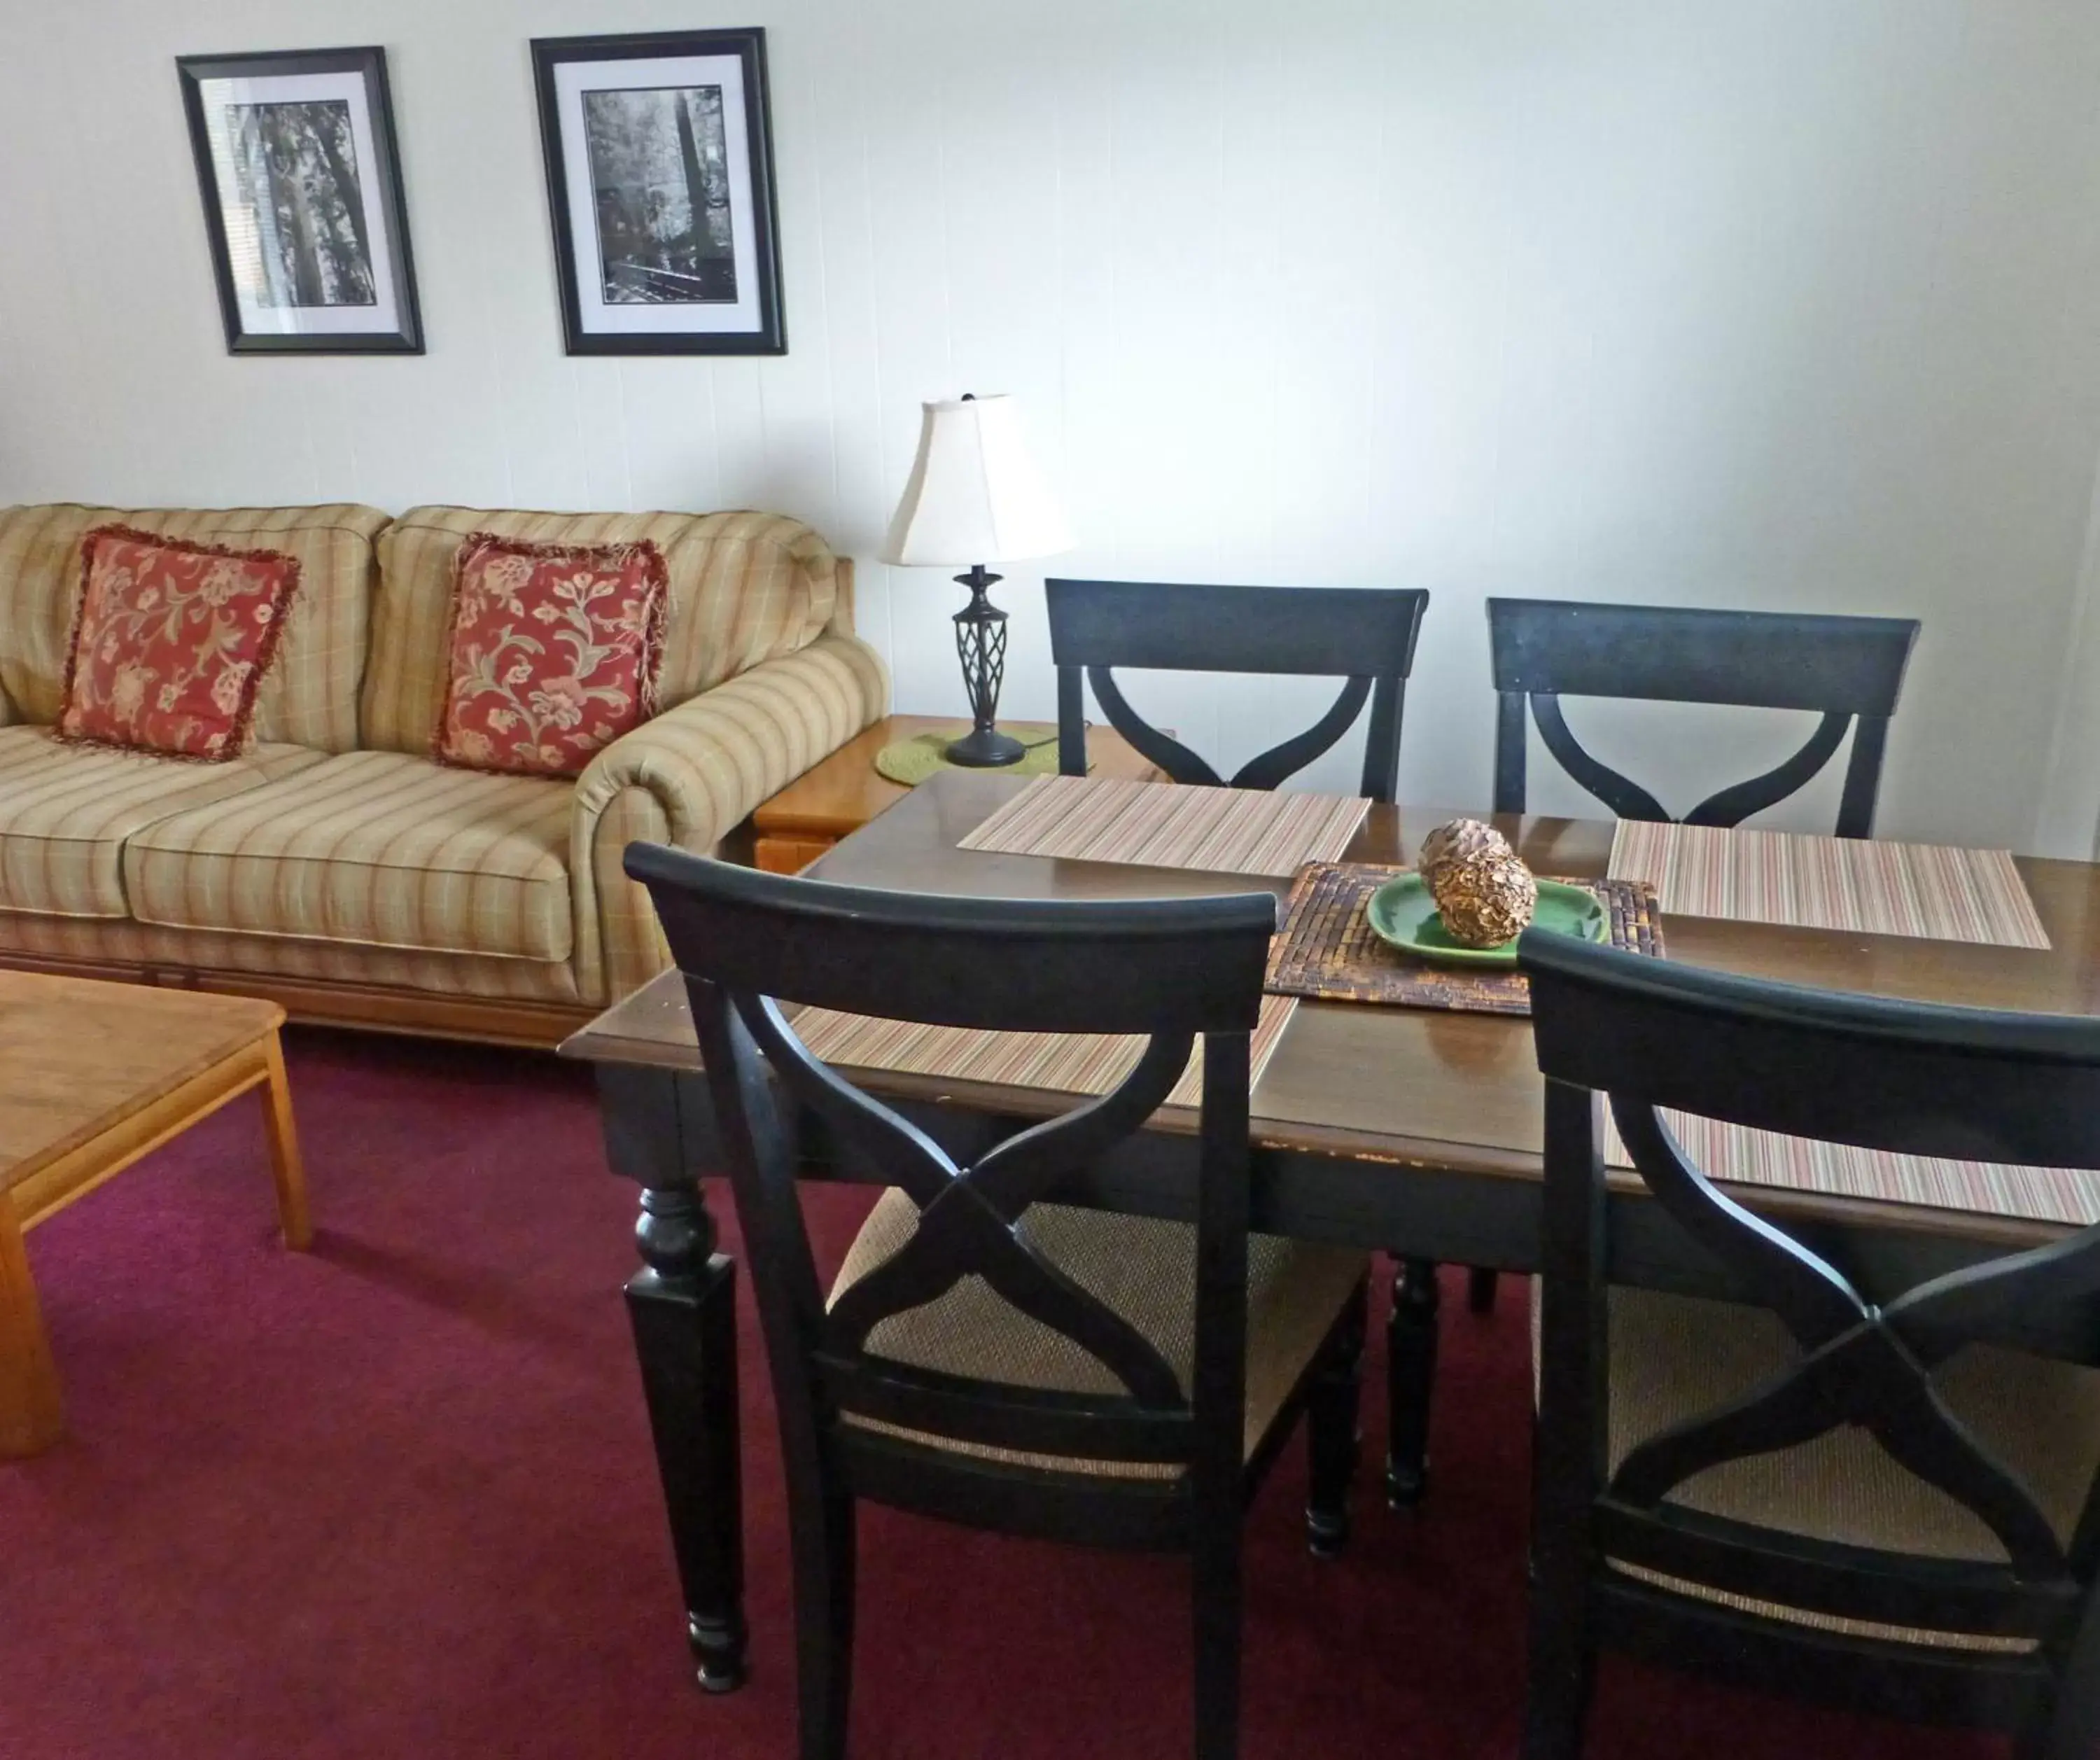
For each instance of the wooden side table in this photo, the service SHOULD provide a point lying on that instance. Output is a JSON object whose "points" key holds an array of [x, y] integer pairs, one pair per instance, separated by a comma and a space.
{"points": [[845, 791]]}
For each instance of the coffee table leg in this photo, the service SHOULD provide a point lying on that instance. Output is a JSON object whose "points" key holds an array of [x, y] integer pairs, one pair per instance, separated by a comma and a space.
{"points": [[31, 1419], [286, 1167]]}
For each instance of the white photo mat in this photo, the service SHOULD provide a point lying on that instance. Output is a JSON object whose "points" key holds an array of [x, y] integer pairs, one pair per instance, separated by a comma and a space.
{"points": [[745, 315], [245, 231]]}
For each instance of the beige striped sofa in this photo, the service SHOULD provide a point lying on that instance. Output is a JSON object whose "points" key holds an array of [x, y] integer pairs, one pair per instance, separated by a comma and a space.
{"points": [[338, 869]]}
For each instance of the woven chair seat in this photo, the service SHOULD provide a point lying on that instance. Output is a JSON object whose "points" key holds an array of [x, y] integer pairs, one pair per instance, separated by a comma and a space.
{"points": [[1143, 1268], [1673, 1357]]}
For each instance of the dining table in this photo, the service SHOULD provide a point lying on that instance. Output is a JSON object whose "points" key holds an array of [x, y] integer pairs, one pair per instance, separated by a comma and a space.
{"points": [[1412, 1132]]}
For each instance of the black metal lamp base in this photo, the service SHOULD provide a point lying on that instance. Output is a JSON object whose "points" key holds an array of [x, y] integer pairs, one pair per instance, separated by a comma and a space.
{"points": [[980, 643], [983, 749]]}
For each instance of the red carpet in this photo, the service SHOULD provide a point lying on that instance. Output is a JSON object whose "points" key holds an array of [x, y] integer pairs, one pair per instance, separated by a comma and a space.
{"points": [[395, 1499]]}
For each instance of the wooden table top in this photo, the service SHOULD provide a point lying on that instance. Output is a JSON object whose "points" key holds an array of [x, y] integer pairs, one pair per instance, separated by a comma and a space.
{"points": [[78, 1056], [1417, 1086], [845, 791]]}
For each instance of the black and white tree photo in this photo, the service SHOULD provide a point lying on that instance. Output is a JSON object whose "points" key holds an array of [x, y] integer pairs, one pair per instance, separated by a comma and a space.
{"points": [[295, 165], [659, 184], [303, 207], [658, 157]]}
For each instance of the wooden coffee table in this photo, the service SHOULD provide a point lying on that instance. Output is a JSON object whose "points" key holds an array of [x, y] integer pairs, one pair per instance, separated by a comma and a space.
{"points": [[92, 1076], [838, 797]]}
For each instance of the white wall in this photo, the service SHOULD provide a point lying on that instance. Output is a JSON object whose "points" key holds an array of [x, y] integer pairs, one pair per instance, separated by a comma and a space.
{"points": [[1787, 303]]}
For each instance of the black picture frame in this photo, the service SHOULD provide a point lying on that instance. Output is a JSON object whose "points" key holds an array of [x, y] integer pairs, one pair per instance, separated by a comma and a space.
{"points": [[382, 252], [586, 311]]}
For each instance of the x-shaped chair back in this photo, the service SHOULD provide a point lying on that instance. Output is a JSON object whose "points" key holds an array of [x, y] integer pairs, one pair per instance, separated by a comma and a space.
{"points": [[1364, 636], [1962, 1084], [1172, 971], [1850, 669]]}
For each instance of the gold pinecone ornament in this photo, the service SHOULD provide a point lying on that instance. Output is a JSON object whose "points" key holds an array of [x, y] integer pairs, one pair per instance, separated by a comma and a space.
{"points": [[1448, 845], [1486, 899]]}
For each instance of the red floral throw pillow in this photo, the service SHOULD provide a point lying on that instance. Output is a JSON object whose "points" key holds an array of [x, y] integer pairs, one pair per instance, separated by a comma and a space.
{"points": [[553, 652], [170, 642]]}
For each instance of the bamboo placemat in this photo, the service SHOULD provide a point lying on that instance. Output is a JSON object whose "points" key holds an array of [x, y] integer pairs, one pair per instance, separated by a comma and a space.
{"points": [[1326, 947], [1061, 1063], [1224, 831], [1928, 891], [1730, 1152]]}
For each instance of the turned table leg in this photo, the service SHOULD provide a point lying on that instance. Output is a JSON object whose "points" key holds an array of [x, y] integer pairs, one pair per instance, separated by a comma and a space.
{"points": [[1410, 1367], [1332, 1438], [31, 1419], [683, 1307]]}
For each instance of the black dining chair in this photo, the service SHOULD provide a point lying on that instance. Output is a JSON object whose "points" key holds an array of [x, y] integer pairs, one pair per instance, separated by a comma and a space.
{"points": [[987, 1356], [1362, 635], [1887, 1498], [1848, 669], [1365, 636]]}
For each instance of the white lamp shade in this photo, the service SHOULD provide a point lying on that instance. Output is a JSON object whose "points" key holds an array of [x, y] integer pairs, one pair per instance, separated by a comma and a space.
{"points": [[975, 494]]}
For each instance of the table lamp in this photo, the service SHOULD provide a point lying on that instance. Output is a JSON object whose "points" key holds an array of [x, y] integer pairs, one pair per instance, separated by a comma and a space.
{"points": [[975, 496]]}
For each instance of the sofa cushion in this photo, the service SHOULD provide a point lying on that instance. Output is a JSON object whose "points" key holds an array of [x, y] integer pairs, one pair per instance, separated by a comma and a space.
{"points": [[372, 847], [744, 588], [171, 642], [553, 653], [310, 697], [66, 811]]}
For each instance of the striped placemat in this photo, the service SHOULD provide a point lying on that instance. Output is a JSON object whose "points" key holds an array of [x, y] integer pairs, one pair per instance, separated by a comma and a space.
{"points": [[1733, 1154], [1061, 1063], [1928, 891], [1224, 831]]}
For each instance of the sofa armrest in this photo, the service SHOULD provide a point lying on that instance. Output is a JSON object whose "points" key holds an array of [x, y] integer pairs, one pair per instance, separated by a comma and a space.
{"points": [[690, 775]]}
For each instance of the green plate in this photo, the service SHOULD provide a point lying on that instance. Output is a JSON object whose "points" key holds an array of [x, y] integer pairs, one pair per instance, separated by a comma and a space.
{"points": [[1402, 912]]}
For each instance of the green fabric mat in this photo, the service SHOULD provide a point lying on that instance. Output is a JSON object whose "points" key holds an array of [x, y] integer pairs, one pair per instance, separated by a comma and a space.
{"points": [[910, 761]]}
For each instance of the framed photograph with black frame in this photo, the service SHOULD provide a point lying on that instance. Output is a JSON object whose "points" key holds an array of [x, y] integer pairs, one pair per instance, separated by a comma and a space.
{"points": [[301, 184], [659, 178]]}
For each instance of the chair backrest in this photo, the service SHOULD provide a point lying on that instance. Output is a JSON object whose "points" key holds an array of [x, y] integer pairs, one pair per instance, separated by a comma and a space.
{"points": [[1965, 1084], [1364, 635], [1850, 669], [1171, 970]]}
